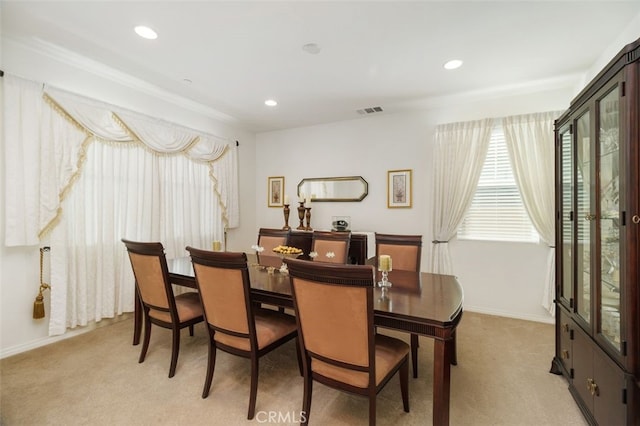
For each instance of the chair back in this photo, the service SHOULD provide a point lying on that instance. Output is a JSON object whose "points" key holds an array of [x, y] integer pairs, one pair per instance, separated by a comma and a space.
{"points": [[269, 239], [405, 250], [327, 242], [150, 270], [334, 310], [223, 282]]}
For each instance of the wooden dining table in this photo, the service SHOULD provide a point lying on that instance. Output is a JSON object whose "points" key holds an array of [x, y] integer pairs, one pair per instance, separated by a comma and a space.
{"points": [[422, 303]]}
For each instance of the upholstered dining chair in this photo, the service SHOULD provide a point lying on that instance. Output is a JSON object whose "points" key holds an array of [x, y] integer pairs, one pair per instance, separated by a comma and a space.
{"points": [[331, 246], [268, 239], [406, 253], [155, 293], [339, 345], [236, 325]]}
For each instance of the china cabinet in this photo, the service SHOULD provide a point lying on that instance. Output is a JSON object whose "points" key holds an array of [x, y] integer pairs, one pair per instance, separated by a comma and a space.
{"points": [[597, 244]]}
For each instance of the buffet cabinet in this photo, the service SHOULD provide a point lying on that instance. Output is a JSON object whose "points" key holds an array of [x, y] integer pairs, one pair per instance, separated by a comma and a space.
{"points": [[597, 244], [357, 247]]}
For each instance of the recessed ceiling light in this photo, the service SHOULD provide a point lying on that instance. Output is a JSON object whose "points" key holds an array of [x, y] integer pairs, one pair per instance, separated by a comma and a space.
{"points": [[453, 64], [311, 48], [146, 32], [271, 102]]}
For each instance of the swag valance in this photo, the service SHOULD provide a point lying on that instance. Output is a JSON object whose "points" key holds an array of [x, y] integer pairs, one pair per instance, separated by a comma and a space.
{"points": [[47, 131]]}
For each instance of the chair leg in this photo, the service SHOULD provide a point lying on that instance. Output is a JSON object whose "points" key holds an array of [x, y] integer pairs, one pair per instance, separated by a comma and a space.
{"points": [[211, 365], [175, 348], [414, 354], [372, 409], [404, 385], [299, 355], [306, 399], [145, 343], [254, 387], [137, 319], [191, 330]]}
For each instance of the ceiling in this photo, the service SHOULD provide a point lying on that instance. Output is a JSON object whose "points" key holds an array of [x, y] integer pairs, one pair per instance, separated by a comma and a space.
{"points": [[372, 53]]}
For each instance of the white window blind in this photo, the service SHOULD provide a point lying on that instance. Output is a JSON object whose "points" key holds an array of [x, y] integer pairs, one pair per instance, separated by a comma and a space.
{"points": [[497, 212]]}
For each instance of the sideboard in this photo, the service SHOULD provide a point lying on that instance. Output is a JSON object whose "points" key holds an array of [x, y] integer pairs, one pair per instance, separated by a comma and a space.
{"points": [[361, 248]]}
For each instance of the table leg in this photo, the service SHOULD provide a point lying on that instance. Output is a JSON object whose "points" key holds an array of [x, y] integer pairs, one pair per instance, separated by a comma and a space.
{"points": [[442, 353], [454, 349], [137, 320]]}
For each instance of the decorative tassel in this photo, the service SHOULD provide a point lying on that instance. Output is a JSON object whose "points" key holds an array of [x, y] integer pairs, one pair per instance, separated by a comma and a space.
{"points": [[38, 304]]}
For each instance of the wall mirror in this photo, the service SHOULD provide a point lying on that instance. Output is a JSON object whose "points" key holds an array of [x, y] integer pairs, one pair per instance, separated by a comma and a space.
{"points": [[348, 188]]}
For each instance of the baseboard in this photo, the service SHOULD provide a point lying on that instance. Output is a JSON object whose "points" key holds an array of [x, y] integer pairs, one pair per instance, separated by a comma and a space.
{"points": [[536, 318], [24, 347]]}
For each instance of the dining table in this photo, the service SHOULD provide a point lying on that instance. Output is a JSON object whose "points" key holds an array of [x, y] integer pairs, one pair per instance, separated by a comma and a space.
{"points": [[417, 302]]}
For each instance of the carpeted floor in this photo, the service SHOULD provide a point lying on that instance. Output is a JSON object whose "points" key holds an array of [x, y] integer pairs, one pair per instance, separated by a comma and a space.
{"points": [[502, 378]]}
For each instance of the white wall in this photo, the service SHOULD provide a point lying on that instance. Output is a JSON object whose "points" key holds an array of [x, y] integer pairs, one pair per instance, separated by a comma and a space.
{"points": [[499, 278], [628, 35], [19, 271]]}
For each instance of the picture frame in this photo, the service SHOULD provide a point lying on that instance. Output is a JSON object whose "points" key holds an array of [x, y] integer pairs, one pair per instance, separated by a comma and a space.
{"points": [[399, 189], [275, 191]]}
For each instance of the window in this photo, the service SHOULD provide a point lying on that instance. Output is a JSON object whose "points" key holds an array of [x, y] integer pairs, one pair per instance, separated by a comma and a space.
{"points": [[497, 212]]}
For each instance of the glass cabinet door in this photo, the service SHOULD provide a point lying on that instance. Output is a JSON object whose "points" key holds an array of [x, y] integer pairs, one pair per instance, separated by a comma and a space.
{"points": [[609, 216], [584, 217], [566, 192]]}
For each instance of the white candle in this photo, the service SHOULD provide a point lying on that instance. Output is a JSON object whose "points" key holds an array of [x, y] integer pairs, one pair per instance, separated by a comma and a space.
{"points": [[307, 200], [286, 199], [384, 263], [301, 198]]}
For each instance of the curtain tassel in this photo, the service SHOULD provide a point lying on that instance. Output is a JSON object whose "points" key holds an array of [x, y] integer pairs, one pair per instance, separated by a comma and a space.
{"points": [[38, 304]]}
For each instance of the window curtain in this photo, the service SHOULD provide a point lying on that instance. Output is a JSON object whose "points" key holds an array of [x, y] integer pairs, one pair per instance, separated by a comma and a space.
{"points": [[459, 153], [530, 142], [86, 174]]}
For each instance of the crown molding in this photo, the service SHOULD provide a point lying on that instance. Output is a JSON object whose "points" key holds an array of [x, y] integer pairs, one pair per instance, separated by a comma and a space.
{"points": [[569, 81], [75, 60]]}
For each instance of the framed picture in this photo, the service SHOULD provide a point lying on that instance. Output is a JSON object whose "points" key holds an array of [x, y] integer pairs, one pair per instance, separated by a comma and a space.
{"points": [[399, 189], [275, 191]]}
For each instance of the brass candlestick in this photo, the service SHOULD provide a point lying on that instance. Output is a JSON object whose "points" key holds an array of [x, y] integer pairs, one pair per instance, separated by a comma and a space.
{"points": [[301, 215], [286, 217], [308, 215]]}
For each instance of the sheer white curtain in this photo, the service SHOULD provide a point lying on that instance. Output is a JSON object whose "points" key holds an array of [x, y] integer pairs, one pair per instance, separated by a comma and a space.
{"points": [[459, 153], [124, 191], [91, 174], [530, 142]]}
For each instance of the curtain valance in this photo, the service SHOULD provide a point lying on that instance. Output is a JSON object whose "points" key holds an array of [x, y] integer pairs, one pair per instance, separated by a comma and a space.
{"points": [[47, 131]]}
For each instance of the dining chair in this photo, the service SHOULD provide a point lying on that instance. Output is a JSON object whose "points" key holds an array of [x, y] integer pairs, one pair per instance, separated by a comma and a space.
{"points": [[331, 246], [268, 239], [340, 348], [406, 253], [155, 293], [236, 325]]}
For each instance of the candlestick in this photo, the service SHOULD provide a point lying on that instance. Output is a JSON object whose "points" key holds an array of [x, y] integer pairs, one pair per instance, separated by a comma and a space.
{"points": [[286, 216], [384, 263], [301, 215], [308, 215]]}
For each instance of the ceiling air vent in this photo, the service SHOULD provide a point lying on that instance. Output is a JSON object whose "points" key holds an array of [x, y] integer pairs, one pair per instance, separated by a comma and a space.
{"points": [[370, 110]]}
